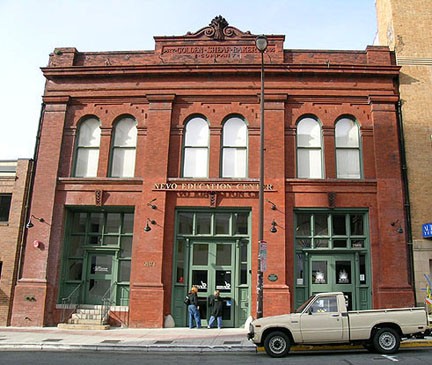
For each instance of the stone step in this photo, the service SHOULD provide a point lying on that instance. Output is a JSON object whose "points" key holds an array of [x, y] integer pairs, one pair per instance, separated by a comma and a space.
{"points": [[79, 326], [84, 321], [86, 316]]}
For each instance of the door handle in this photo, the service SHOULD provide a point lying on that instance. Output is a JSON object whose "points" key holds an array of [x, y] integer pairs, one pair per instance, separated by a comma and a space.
{"points": [[335, 315]]}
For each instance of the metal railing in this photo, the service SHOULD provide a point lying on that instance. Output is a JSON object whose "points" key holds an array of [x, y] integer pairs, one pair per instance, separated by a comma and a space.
{"points": [[108, 299], [70, 303]]}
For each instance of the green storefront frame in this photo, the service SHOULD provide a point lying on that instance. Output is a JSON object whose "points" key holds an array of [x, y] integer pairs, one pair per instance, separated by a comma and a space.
{"points": [[332, 253], [96, 255], [212, 249]]}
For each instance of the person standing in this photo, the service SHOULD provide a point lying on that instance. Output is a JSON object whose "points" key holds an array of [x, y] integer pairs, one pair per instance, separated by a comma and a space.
{"points": [[216, 305], [193, 308]]}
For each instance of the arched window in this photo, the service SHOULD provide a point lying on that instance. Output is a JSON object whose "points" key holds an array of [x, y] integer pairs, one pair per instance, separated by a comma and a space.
{"points": [[87, 148], [195, 150], [234, 148], [347, 149], [309, 149], [124, 148]]}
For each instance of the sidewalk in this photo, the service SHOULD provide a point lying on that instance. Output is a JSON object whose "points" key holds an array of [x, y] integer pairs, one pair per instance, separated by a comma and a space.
{"points": [[146, 340]]}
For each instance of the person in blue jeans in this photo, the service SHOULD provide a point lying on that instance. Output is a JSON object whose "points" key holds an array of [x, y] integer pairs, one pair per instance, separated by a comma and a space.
{"points": [[216, 305], [193, 308]]}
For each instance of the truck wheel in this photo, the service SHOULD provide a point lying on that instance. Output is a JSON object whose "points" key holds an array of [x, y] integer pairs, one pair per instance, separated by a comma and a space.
{"points": [[277, 344], [386, 341]]}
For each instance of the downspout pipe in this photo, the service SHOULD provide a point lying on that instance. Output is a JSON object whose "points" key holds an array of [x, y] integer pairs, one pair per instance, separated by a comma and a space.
{"points": [[30, 192], [407, 204]]}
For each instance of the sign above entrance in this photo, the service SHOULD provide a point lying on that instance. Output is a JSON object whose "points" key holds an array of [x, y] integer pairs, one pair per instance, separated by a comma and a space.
{"points": [[189, 186]]}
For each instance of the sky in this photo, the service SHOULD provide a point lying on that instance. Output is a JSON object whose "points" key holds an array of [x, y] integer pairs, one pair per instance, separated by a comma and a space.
{"points": [[31, 29]]}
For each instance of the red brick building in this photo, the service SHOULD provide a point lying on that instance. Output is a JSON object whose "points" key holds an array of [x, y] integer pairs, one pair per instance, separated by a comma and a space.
{"points": [[15, 178], [148, 172]]}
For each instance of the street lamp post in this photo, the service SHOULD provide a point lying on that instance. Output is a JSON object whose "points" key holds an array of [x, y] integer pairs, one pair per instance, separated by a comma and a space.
{"points": [[261, 45]]}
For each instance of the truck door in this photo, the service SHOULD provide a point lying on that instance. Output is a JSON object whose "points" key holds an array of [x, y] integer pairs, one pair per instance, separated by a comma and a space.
{"points": [[323, 323]]}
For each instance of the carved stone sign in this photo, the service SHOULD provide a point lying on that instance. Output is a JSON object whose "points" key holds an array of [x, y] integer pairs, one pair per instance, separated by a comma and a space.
{"points": [[189, 186]]}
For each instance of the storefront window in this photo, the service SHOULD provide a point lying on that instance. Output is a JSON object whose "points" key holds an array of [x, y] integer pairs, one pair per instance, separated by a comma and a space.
{"points": [[222, 223], [203, 222], [185, 223]]}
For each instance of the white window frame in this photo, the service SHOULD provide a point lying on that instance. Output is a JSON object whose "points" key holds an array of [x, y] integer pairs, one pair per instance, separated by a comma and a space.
{"points": [[348, 151], [87, 148], [234, 148], [309, 149], [123, 150], [196, 148]]}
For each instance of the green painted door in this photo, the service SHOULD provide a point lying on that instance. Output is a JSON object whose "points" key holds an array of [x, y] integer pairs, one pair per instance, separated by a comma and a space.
{"points": [[212, 267], [99, 276], [329, 273]]}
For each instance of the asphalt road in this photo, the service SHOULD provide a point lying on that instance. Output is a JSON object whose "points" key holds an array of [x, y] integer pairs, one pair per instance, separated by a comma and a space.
{"points": [[409, 356]]}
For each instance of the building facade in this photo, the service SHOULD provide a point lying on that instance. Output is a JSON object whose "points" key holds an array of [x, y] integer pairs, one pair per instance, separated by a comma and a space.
{"points": [[405, 28], [148, 177], [14, 183]]}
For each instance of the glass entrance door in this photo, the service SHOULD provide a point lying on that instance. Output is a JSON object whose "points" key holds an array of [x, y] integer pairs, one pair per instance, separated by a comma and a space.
{"points": [[99, 276], [212, 267], [333, 273]]}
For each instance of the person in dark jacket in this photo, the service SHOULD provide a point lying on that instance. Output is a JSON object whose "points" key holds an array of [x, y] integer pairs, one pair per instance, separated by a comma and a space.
{"points": [[216, 305], [193, 308]]}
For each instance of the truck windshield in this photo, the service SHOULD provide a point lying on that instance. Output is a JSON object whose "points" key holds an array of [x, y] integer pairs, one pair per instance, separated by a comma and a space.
{"points": [[304, 305]]}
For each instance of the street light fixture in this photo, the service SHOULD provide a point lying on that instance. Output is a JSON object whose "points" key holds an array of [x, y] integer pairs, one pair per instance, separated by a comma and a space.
{"points": [[261, 44]]}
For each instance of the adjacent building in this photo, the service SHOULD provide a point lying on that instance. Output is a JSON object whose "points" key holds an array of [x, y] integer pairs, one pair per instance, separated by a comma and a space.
{"points": [[148, 173], [405, 28], [14, 185]]}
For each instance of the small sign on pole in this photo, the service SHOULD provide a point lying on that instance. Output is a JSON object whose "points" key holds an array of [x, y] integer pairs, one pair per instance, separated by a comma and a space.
{"points": [[262, 254]]}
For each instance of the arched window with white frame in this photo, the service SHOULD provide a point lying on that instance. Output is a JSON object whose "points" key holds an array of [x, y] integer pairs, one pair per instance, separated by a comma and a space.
{"points": [[87, 148], [123, 150], [196, 148], [234, 148], [347, 144], [309, 149]]}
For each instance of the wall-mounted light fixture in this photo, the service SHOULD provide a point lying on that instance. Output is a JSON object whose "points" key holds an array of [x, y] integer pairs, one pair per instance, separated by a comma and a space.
{"points": [[147, 228], [273, 228], [398, 227], [30, 223], [273, 205], [151, 205]]}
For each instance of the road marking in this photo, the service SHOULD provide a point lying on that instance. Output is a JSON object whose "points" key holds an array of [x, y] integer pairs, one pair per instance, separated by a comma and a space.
{"points": [[391, 358]]}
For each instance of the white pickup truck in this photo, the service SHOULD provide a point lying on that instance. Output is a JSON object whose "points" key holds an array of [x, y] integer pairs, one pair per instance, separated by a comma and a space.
{"points": [[324, 319]]}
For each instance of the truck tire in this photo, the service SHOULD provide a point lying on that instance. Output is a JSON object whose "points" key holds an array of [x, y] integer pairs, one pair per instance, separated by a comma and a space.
{"points": [[386, 341], [277, 344]]}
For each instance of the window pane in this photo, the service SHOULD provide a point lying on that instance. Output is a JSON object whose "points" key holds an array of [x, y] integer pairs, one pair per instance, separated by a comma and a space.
{"points": [[234, 162], [123, 162], [74, 270], [348, 164], [347, 133], [79, 222], [126, 247], [308, 133], [200, 254], [321, 243], [5, 203], [124, 270], [222, 223], [241, 223], [223, 255], [340, 243], [96, 222], [128, 221], [197, 133], [339, 227], [223, 281], [303, 225], [185, 223], [75, 246], [89, 133], [343, 272], [87, 162], [125, 133], [110, 241], [356, 223], [203, 222], [195, 162], [321, 225], [235, 133], [319, 272], [309, 164], [113, 223]]}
